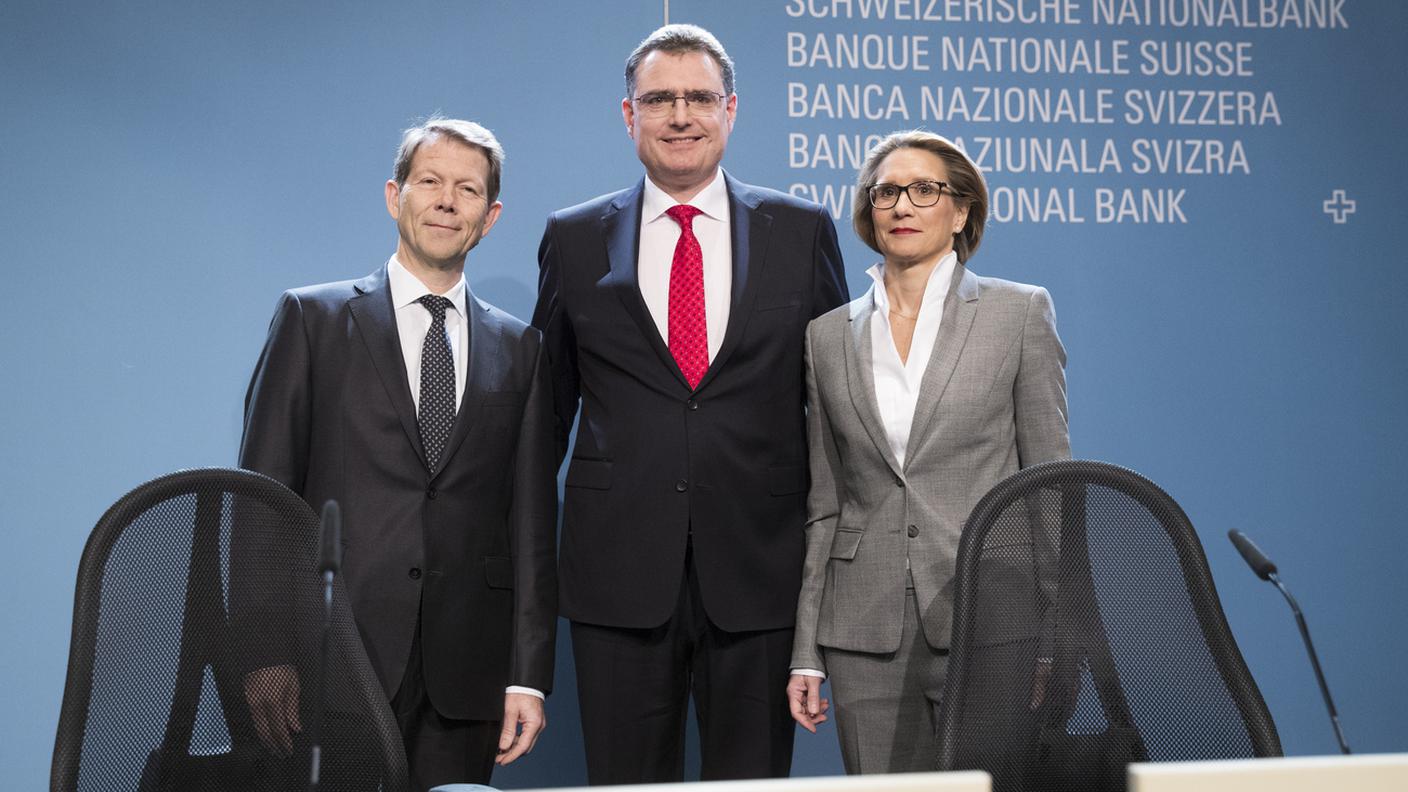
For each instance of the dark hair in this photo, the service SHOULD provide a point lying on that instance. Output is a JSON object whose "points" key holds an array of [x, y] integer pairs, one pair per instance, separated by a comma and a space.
{"points": [[678, 39], [467, 132], [965, 185]]}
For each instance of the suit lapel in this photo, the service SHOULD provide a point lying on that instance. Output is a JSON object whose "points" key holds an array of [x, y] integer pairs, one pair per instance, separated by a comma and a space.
{"points": [[482, 365], [960, 308], [860, 376], [621, 230], [749, 232], [376, 322]]}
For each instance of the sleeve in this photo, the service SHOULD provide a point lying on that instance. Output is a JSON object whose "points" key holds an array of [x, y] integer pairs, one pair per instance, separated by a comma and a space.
{"points": [[278, 404], [1039, 392], [533, 516], [829, 278], [559, 341], [823, 509], [275, 443], [1039, 399]]}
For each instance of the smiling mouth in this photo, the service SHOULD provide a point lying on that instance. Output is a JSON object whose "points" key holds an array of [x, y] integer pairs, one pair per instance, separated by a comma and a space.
{"points": [[675, 141], [904, 230]]}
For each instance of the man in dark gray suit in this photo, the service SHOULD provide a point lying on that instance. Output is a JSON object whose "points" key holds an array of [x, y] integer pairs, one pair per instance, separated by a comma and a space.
{"points": [[426, 414], [673, 312]]}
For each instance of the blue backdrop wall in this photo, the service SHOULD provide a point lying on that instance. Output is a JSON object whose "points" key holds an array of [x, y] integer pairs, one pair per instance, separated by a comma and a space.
{"points": [[1208, 196]]}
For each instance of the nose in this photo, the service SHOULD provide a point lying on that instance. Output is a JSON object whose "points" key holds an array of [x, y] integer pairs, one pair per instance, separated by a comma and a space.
{"points": [[679, 112], [445, 201]]}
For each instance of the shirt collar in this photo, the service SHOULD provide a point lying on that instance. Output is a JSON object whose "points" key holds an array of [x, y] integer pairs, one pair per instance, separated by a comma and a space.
{"points": [[935, 290], [407, 288], [712, 200]]}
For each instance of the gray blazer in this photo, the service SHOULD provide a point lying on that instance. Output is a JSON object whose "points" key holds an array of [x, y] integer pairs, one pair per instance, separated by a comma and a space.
{"points": [[992, 401]]}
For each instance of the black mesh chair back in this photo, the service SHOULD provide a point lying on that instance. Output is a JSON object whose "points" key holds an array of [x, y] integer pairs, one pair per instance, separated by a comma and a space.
{"points": [[187, 585], [1087, 634]]}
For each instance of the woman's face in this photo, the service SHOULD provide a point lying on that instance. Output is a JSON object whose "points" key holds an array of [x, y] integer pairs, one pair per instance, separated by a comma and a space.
{"points": [[909, 234]]}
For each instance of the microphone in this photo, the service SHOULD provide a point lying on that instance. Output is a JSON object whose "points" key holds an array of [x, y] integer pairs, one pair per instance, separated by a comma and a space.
{"points": [[1266, 570], [1252, 554], [330, 549]]}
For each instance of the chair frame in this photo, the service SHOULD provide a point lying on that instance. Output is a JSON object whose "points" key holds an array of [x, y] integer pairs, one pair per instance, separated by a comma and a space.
{"points": [[1192, 561]]}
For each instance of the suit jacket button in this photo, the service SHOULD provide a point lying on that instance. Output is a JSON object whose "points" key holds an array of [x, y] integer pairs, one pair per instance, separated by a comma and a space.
{"points": [[431, 493], [913, 531], [681, 485], [693, 405], [414, 574]]}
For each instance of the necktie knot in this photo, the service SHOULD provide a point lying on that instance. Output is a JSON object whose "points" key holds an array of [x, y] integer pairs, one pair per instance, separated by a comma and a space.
{"points": [[436, 304], [684, 214]]}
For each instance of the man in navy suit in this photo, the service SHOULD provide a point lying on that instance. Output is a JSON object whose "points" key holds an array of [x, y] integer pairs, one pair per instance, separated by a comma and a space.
{"points": [[673, 313], [426, 414]]}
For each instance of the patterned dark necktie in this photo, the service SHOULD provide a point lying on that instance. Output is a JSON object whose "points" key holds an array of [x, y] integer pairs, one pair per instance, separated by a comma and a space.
{"points": [[437, 382], [688, 328]]}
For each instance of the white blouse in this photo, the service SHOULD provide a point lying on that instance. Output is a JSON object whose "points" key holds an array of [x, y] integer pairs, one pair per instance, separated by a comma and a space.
{"points": [[897, 382]]}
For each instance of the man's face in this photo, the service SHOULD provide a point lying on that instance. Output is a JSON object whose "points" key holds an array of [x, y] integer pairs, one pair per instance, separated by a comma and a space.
{"points": [[681, 151], [443, 209]]}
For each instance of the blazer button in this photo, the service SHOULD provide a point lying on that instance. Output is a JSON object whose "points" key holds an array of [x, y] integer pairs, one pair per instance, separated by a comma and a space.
{"points": [[913, 531], [431, 493], [681, 485], [414, 574], [693, 405]]}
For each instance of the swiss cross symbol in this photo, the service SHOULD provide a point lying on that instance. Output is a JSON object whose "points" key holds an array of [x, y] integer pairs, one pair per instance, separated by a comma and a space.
{"points": [[1340, 207]]}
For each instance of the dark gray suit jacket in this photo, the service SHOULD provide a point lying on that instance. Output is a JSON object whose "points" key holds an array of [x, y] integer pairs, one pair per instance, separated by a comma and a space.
{"points": [[656, 463], [468, 549]]}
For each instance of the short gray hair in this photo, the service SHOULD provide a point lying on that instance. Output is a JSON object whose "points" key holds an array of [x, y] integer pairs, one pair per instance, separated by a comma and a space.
{"points": [[466, 132], [677, 40]]}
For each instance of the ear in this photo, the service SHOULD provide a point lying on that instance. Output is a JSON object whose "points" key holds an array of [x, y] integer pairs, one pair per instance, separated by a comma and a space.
{"points": [[731, 110], [628, 114], [960, 219], [393, 199], [491, 217]]}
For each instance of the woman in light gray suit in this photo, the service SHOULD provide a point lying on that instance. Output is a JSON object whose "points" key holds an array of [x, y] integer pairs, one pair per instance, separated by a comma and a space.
{"points": [[922, 394]]}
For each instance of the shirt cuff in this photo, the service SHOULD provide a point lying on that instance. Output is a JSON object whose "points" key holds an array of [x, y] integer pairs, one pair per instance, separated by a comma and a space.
{"points": [[525, 690], [809, 672]]}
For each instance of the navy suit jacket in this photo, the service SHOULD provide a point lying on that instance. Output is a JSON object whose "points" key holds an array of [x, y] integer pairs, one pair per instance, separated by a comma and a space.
{"points": [[657, 466], [468, 549]]}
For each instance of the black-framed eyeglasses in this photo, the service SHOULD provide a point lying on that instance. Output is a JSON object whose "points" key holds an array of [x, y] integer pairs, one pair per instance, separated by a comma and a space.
{"points": [[921, 193], [661, 103]]}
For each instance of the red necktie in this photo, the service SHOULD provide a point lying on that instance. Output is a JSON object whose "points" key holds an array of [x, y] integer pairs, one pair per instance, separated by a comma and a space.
{"points": [[689, 332]]}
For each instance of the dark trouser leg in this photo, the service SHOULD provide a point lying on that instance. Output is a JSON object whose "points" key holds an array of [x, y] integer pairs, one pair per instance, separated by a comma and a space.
{"points": [[440, 750], [631, 687], [740, 697]]}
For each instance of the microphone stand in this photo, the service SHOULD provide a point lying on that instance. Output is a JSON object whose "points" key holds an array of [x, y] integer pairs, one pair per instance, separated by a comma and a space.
{"points": [[1314, 660], [1266, 570], [329, 563]]}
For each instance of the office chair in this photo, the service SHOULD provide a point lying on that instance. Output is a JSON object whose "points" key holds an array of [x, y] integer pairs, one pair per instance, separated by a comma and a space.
{"points": [[1087, 634], [189, 586]]}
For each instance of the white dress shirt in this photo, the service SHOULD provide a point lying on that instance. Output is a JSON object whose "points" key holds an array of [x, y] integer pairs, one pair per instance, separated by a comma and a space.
{"points": [[412, 324], [897, 382], [659, 234]]}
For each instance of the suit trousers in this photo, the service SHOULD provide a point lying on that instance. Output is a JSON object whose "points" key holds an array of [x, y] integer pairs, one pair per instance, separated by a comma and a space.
{"points": [[887, 704], [440, 750], [634, 687]]}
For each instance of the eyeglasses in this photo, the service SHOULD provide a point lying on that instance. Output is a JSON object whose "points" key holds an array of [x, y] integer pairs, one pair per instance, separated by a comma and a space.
{"points": [[921, 193], [658, 104]]}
